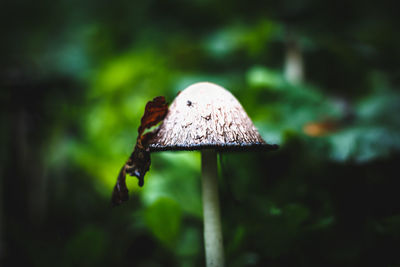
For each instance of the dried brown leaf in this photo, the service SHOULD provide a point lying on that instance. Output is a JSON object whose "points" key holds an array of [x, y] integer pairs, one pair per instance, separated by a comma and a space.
{"points": [[139, 161]]}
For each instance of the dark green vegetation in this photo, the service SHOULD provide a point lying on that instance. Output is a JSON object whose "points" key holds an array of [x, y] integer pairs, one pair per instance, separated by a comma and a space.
{"points": [[75, 77]]}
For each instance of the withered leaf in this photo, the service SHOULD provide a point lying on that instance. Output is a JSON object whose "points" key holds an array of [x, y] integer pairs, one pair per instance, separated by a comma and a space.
{"points": [[322, 128], [155, 112], [120, 192], [139, 161]]}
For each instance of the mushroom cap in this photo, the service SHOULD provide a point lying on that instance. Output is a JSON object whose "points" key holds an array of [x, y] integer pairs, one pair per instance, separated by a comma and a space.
{"points": [[207, 116]]}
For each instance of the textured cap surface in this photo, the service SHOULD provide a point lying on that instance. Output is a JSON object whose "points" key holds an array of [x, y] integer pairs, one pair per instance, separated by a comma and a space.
{"points": [[207, 116]]}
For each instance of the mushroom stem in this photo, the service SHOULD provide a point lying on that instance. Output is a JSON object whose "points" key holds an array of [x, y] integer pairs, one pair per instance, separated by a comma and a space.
{"points": [[211, 215]]}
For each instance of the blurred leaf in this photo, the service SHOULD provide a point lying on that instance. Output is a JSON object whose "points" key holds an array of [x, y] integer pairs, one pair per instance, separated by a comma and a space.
{"points": [[237, 240], [175, 175], [263, 77], [392, 225], [163, 218], [189, 244], [380, 108], [131, 71], [87, 247], [324, 222], [296, 214], [363, 143], [253, 39]]}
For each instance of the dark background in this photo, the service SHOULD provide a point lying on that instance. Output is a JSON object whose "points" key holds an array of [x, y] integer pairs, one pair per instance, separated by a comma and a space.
{"points": [[75, 77]]}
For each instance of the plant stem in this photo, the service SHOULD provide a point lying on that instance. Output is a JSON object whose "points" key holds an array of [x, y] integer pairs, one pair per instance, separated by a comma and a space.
{"points": [[294, 64], [212, 220]]}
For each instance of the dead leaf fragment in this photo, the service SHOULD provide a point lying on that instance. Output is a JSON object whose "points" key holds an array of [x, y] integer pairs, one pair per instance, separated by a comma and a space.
{"points": [[139, 161], [319, 129]]}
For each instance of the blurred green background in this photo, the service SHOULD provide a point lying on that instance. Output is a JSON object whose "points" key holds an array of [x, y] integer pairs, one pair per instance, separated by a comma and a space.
{"points": [[318, 78]]}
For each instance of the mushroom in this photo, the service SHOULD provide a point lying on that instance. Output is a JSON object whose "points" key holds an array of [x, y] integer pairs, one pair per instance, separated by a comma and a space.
{"points": [[208, 118]]}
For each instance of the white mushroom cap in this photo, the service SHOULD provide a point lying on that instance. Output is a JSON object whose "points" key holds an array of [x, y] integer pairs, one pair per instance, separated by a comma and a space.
{"points": [[207, 116]]}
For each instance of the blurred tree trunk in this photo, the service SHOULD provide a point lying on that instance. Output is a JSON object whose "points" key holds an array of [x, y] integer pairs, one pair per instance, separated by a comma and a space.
{"points": [[31, 169], [24, 177], [2, 243]]}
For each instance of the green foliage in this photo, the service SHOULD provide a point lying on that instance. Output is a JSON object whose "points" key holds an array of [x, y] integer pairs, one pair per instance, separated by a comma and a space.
{"points": [[252, 40], [163, 218], [86, 247], [182, 184], [263, 77]]}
